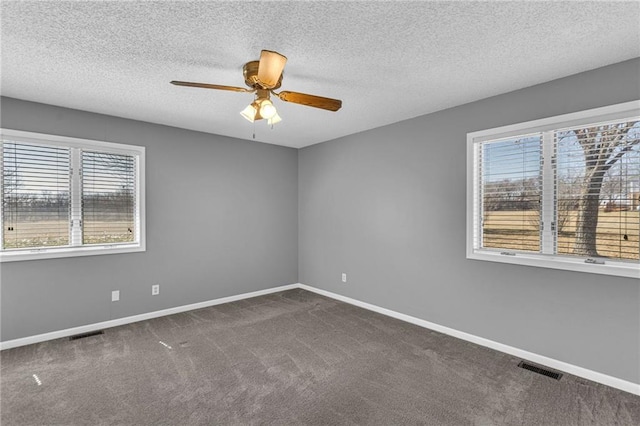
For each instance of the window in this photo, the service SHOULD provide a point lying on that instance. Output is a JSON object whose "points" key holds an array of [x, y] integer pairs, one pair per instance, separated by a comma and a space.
{"points": [[69, 197], [562, 192]]}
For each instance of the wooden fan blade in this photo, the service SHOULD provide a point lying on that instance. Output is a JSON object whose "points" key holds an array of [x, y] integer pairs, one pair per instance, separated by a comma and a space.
{"points": [[210, 86], [270, 68], [311, 100]]}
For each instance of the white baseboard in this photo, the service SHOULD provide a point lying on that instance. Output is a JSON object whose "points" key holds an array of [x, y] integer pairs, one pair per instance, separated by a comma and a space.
{"points": [[605, 379], [614, 382], [135, 318]]}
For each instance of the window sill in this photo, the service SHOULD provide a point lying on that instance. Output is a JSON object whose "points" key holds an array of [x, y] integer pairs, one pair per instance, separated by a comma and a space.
{"points": [[53, 253], [620, 269]]}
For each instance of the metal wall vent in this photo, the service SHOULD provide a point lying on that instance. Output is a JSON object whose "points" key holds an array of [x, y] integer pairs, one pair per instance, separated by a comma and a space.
{"points": [[82, 336], [540, 370]]}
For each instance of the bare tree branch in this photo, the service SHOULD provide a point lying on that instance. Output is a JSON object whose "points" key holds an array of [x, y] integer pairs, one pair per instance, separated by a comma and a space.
{"points": [[620, 154]]}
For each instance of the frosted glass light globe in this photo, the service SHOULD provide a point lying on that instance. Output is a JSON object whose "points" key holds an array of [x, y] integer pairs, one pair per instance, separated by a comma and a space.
{"points": [[267, 110]]}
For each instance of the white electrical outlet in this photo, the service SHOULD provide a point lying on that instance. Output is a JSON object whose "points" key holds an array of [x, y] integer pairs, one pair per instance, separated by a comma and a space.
{"points": [[155, 289], [115, 295], [344, 277]]}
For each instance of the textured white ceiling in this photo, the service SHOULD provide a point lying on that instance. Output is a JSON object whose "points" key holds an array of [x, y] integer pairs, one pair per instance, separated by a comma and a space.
{"points": [[387, 61]]}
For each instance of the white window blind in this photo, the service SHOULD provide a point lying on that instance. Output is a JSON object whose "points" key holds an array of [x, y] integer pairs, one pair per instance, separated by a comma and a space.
{"points": [[511, 188], [69, 197], [559, 192], [598, 174], [108, 198], [35, 195]]}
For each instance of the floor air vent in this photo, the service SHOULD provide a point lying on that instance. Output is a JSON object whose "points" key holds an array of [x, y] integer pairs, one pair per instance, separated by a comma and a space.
{"points": [[540, 370], [82, 336]]}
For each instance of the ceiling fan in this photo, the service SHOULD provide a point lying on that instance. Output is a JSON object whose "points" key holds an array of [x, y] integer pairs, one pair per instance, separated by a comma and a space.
{"points": [[263, 77]]}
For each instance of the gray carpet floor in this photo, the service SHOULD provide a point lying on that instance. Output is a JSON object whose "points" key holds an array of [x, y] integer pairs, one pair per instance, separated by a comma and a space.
{"points": [[290, 358]]}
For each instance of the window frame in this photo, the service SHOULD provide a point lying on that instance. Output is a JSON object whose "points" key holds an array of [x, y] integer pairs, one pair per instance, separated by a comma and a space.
{"points": [[608, 113], [76, 145]]}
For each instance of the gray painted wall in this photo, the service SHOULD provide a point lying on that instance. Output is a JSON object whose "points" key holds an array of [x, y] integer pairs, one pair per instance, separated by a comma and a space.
{"points": [[221, 221], [388, 207]]}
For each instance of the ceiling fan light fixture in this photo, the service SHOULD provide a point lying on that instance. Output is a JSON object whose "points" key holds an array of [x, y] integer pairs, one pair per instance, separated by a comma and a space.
{"points": [[274, 120], [249, 113], [263, 77], [267, 110]]}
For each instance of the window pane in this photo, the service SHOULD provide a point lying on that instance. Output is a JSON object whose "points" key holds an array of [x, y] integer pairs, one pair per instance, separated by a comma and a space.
{"points": [[35, 195], [598, 169], [510, 179], [108, 198]]}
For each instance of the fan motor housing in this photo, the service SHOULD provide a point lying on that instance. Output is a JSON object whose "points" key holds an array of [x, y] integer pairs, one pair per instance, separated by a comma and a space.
{"points": [[250, 72]]}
